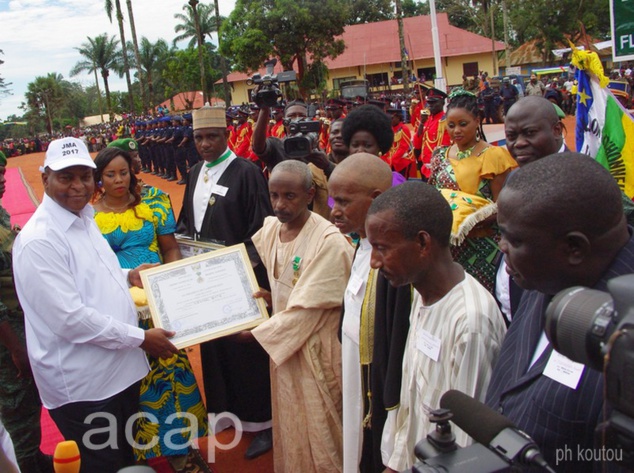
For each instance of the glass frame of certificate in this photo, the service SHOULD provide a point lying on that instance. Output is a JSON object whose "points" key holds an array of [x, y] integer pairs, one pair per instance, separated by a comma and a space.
{"points": [[204, 297]]}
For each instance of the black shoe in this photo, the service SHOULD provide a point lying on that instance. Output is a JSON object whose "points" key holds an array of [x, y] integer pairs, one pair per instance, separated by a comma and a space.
{"points": [[182, 182], [154, 173], [261, 443], [171, 178]]}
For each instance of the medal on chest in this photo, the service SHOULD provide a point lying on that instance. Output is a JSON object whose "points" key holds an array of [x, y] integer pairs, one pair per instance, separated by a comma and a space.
{"points": [[297, 261]]}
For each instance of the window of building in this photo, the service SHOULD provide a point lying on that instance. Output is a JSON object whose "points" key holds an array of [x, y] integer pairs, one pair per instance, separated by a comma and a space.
{"points": [[470, 69], [377, 80], [337, 82]]}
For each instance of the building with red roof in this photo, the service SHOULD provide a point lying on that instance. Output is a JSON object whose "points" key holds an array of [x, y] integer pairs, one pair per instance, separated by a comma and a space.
{"points": [[372, 52], [188, 101]]}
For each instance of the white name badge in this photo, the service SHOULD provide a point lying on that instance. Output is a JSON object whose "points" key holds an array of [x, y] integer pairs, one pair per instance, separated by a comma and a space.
{"points": [[220, 190], [354, 284], [564, 371], [428, 344]]}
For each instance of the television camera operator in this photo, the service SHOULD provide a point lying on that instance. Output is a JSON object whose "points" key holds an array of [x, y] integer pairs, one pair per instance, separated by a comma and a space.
{"points": [[272, 150]]}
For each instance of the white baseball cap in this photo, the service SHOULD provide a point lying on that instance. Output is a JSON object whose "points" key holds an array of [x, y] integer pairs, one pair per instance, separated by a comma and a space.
{"points": [[67, 152]]}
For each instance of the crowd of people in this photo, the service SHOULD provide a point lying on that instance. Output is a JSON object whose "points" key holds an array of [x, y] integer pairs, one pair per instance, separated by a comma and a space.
{"points": [[397, 261]]}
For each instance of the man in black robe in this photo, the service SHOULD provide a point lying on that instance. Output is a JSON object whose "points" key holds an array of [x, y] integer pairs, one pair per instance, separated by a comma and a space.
{"points": [[226, 201]]}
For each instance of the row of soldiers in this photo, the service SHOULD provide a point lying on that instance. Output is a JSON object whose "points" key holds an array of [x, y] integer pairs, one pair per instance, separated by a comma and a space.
{"points": [[166, 144]]}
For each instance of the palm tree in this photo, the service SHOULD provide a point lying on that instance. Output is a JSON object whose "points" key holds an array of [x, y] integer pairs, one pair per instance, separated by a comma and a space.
{"points": [[186, 29], [137, 57], [46, 94], [101, 53], [88, 65], [126, 65], [223, 62], [152, 57], [195, 18]]}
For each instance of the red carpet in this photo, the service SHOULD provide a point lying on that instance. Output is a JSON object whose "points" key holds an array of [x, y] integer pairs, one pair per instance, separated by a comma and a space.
{"points": [[50, 435], [19, 199]]}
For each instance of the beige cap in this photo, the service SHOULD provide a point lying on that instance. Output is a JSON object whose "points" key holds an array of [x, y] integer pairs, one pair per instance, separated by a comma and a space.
{"points": [[209, 117]]}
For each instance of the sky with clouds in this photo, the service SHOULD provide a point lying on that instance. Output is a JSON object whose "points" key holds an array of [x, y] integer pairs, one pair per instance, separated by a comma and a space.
{"points": [[40, 36]]}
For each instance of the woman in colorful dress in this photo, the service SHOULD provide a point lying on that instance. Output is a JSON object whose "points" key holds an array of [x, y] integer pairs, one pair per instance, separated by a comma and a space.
{"points": [[141, 230], [476, 168]]}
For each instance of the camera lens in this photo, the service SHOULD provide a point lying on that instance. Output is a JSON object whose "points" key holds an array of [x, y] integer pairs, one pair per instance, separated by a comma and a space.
{"points": [[578, 322]]}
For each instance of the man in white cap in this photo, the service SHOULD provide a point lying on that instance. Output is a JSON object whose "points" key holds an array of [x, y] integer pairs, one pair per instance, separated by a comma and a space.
{"points": [[226, 201], [84, 344]]}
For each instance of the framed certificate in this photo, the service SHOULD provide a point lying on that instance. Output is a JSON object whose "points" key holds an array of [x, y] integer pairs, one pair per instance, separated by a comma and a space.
{"points": [[190, 247], [204, 297]]}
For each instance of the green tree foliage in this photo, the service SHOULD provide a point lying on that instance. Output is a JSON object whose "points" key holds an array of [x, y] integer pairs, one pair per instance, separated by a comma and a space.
{"points": [[153, 57], [295, 31], [186, 28], [369, 11], [414, 8], [102, 54], [551, 22], [45, 97], [4, 86], [125, 66], [182, 73]]}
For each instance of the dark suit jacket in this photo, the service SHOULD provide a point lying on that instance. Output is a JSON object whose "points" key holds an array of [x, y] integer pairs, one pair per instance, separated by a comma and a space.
{"points": [[555, 416], [236, 375]]}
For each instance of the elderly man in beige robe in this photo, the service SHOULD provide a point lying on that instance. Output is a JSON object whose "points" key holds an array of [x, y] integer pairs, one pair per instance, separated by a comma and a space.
{"points": [[308, 262]]}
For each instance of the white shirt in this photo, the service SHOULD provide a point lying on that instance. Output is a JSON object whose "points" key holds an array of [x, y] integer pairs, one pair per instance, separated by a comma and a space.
{"points": [[203, 190], [80, 321], [451, 344], [351, 361]]}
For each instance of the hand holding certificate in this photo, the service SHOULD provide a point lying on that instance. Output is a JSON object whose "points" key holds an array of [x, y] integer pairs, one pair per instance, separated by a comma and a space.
{"points": [[204, 297]]}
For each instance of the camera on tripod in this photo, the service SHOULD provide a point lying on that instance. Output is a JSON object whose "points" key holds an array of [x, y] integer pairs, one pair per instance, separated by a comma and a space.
{"points": [[268, 92], [303, 137], [597, 329]]}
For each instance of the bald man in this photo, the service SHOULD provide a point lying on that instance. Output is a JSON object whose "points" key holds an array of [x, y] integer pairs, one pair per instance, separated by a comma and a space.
{"points": [[533, 131], [308, 264], [562, 225], [375, 318]]}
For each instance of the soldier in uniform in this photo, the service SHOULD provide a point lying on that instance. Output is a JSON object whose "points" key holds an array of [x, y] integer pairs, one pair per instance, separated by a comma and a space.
{"points": [[168, 148], [334, 111], [400, 157], [139, 137], [180, 154], [277, 130], [244, 134], [432, 131], [188, 143], [20, 405], [230, 116]]}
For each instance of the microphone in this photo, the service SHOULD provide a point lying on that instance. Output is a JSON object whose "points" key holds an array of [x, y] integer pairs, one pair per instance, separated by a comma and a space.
{"points": [[66, 457], [489, 428]]}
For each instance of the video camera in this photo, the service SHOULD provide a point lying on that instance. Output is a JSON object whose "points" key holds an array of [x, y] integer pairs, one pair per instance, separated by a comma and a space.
{"points": [[597, 329], [303, 137], [268, 92], [500, 446]]}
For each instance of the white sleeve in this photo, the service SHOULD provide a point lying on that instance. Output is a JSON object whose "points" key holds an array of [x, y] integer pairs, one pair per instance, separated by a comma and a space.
{"points": [[46, 286]]}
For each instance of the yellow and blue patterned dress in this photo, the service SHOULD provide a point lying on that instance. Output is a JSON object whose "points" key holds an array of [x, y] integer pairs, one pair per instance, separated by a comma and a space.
{"points": [[170, 386]]}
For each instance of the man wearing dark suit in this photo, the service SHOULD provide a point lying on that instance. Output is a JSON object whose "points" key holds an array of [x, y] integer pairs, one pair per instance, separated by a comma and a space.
{"points": [[533, 130], [562, 225], [226, 200]]}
